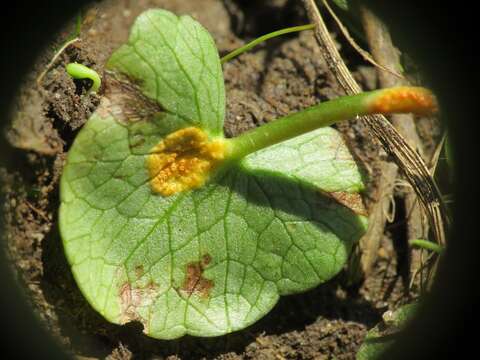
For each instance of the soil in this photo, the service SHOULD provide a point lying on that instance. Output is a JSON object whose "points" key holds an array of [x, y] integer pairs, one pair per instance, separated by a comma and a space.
{"points": [[277, 78]]}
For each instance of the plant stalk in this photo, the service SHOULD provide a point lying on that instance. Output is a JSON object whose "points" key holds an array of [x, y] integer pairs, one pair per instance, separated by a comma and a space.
{"points": [[385, 101], [428, 245], [263, 38]]}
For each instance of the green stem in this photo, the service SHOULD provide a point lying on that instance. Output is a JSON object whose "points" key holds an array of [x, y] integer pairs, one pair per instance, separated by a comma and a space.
{"points": [[428, 245], [78, 24], [79, 71], [385, 101], [263, 38]]}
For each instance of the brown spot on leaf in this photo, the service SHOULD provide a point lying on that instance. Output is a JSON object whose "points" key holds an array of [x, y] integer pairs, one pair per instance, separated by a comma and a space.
{"points": [[206, 259], [194, 282], [351, 200], [124, 100], [132, 298], [139, 271], [151, 285]]}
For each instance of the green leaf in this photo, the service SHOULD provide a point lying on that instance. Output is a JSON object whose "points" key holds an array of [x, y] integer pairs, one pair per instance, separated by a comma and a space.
{"points": [[383, 336], [176, 63], [342, 4], [318, 158], [212, 260]]}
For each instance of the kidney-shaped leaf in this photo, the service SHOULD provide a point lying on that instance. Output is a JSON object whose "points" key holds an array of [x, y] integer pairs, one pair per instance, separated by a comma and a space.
{"points": [[215, 259]]}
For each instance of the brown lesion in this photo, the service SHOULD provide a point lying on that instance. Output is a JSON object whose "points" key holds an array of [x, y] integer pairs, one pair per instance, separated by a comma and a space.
{"points": [[139, 271], [124, 100], [353, 201], [132, 298], [194, 282]]}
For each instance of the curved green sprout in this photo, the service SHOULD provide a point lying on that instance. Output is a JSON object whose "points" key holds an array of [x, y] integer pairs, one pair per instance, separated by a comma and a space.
{"points": [[427, 245], [80, 71], [264, 38]]}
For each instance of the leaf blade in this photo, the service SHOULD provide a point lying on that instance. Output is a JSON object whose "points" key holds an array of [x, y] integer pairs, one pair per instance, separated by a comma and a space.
{"points": [[204, 262], [152, 249], [176, 63], [319, 159]]}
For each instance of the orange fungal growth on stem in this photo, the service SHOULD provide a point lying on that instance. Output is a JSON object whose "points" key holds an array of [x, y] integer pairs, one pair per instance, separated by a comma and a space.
{"points": [[183, 161], [403, 99]]}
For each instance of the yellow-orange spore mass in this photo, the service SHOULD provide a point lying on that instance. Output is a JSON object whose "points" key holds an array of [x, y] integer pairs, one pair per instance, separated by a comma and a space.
{"points": [[405, 99], [183, 161]]}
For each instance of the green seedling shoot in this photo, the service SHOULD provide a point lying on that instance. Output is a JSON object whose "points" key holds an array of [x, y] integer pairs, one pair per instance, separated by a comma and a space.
{"points": [[166, 222], [427, 245], [264, 38], [79, 71]]}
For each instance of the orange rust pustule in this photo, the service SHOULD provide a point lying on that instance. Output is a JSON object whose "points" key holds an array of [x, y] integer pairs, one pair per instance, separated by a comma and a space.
{"points": [[183, 161], [404, 99], [194, 282]]}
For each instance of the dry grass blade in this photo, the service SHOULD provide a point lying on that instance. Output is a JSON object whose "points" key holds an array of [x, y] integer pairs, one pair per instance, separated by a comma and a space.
{"points": [[436, 154], [394, 144], [54, 59], [363, 53], [384, 51], [377, 219]]}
